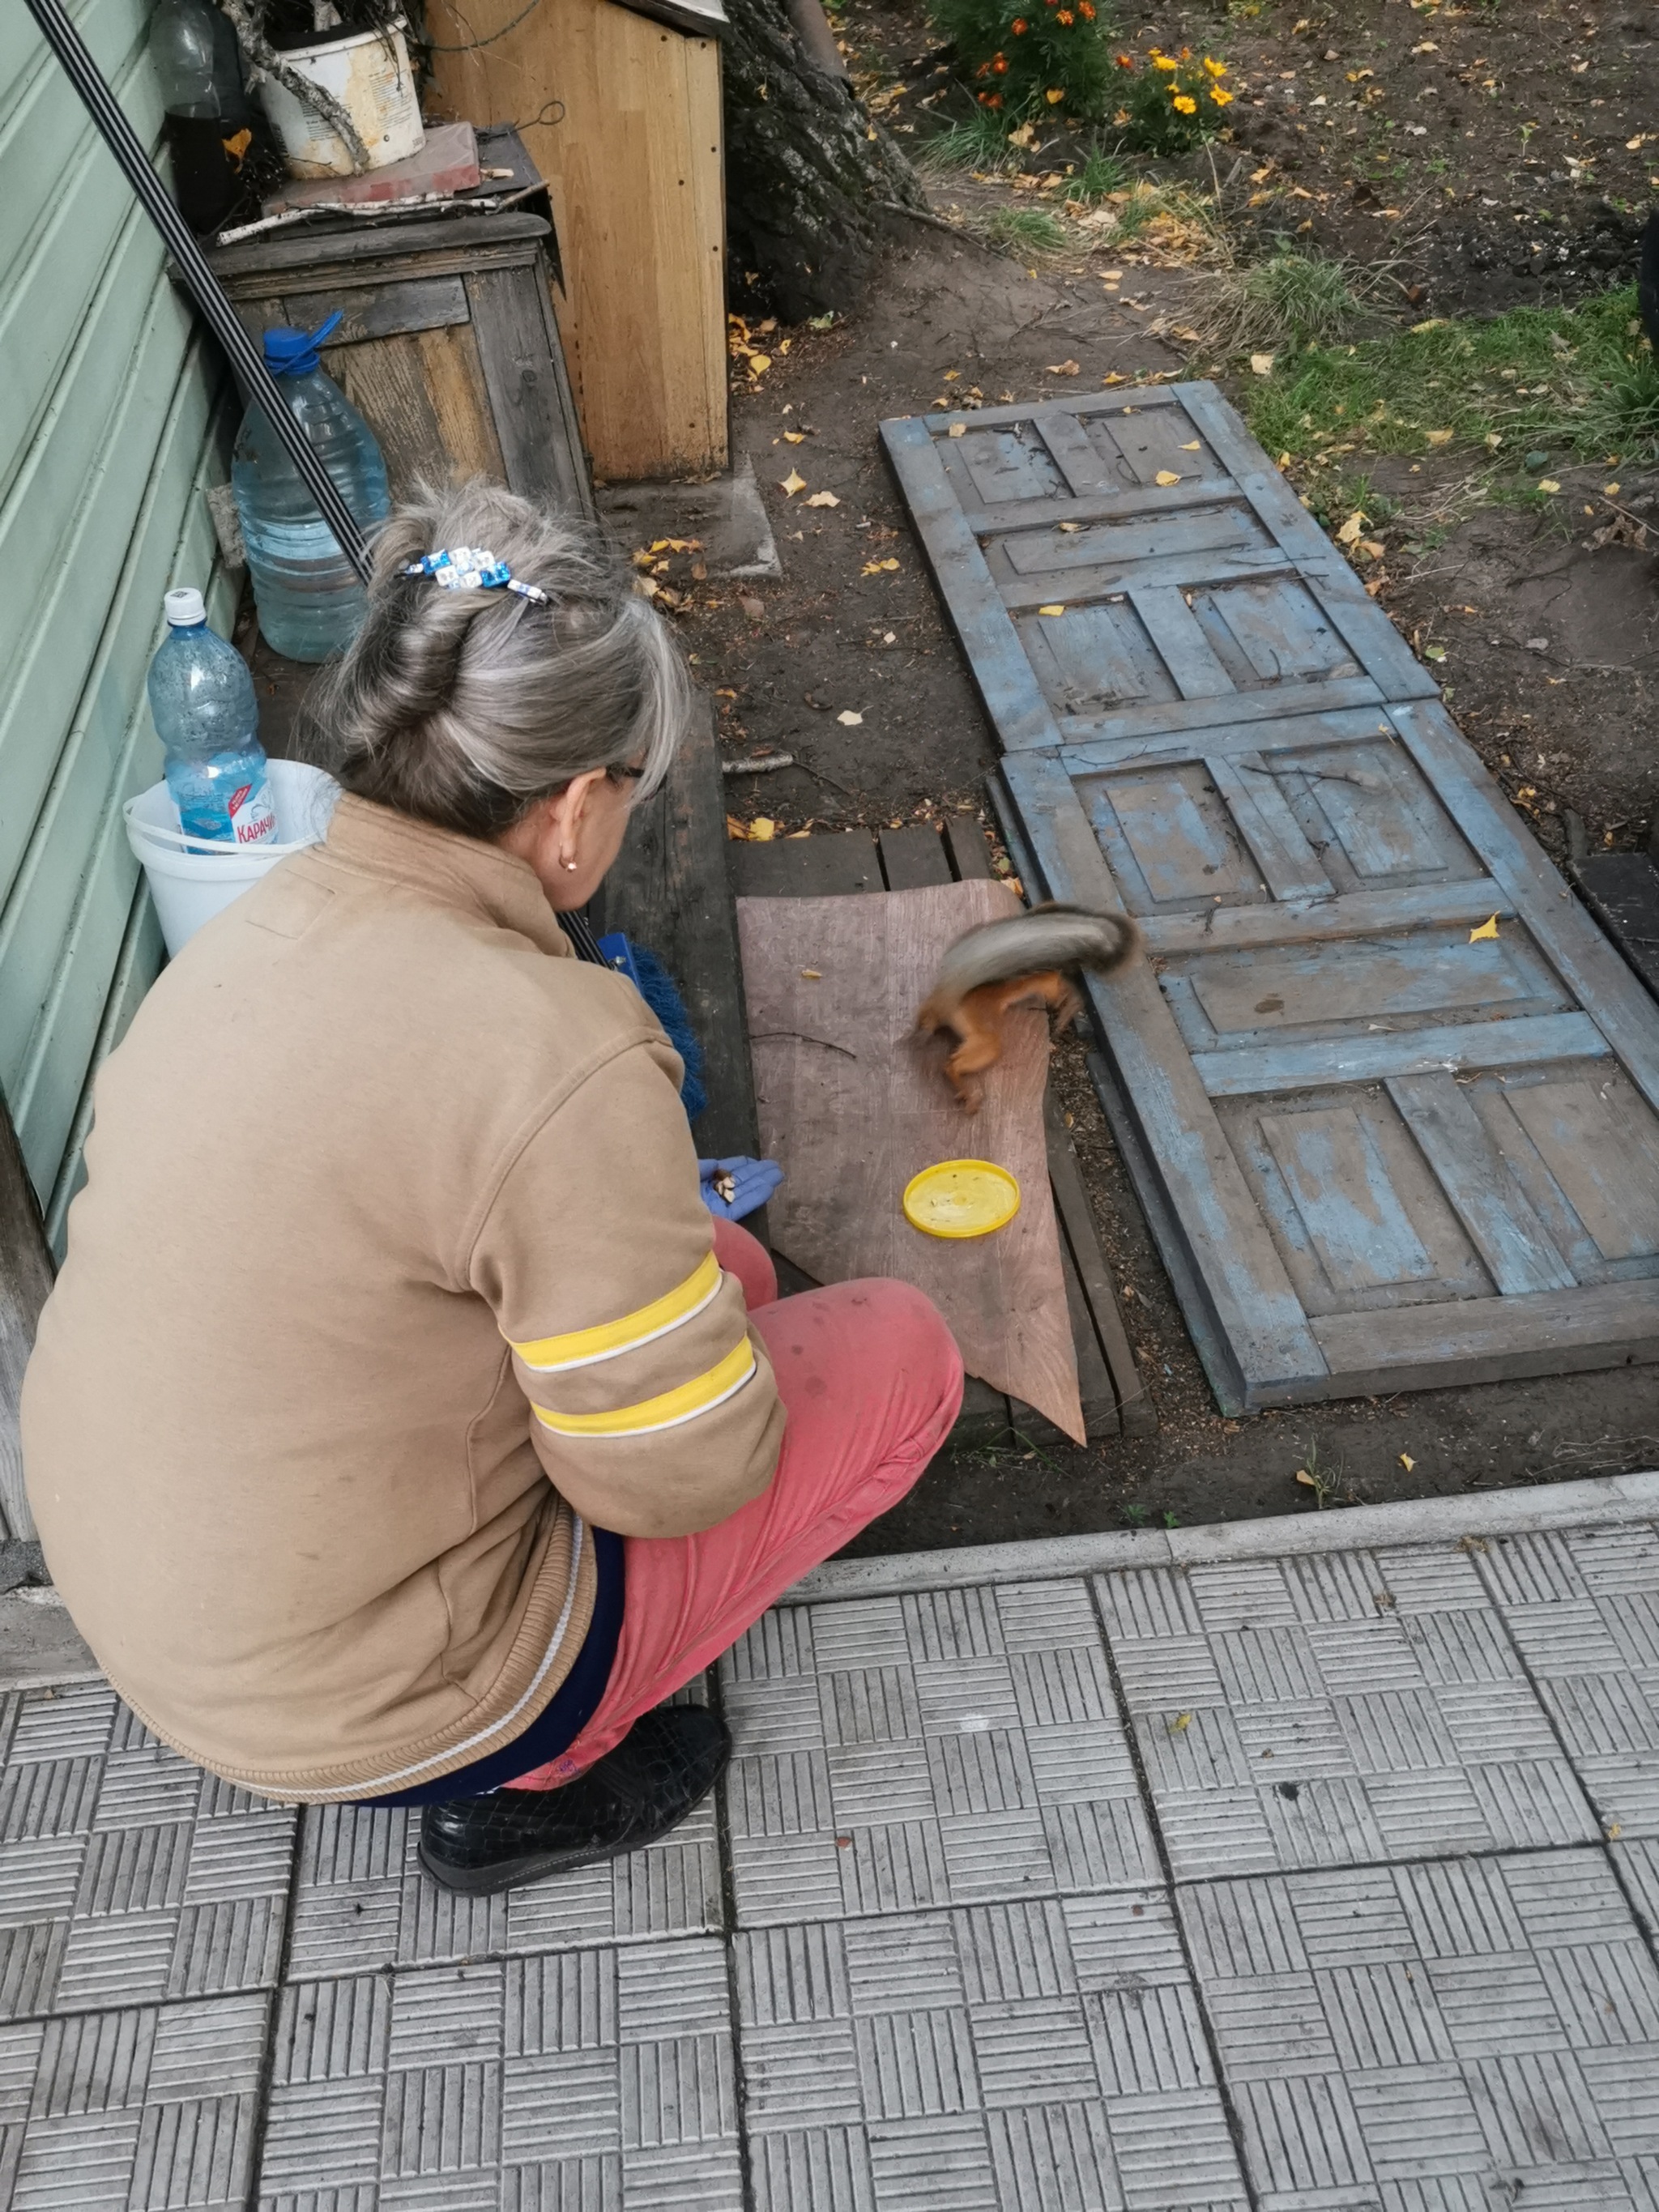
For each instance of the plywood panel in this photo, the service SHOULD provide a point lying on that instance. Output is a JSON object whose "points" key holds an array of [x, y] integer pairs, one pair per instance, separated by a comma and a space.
{"points": [[852, 1105], [622, 116]]}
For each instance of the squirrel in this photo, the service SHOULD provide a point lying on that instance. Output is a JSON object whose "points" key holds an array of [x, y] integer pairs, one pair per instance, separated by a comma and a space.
{"points": [[1032, 958]]}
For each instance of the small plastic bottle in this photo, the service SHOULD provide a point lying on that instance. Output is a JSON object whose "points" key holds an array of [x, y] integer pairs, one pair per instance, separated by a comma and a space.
{"points": [[202, 703], [193, 52], [308, 595]]}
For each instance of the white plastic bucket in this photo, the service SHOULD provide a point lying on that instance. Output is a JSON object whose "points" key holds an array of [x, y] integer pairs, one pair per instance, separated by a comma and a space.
{"points": [[192, 879], [369, 74]]}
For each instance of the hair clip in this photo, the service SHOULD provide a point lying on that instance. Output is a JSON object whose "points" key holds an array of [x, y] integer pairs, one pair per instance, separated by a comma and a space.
{"points": [[469, 569]]}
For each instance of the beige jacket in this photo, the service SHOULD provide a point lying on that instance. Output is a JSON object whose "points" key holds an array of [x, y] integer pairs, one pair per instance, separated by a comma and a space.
{"points": [[390, 1273]]}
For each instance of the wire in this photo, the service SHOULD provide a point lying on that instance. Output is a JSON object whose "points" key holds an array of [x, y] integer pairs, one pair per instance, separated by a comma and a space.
{"points": [[474, 45], [215, 310]]}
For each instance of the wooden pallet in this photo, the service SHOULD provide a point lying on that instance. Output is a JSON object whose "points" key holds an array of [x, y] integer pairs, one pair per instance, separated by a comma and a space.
{"points": [[1114, 1400]]}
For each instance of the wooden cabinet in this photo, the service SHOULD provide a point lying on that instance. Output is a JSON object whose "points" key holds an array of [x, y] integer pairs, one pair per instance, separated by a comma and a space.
{"points": [[449, 348]]}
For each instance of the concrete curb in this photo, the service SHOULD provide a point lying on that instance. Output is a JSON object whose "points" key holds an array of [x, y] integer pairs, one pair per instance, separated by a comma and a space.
{"points": [[1602, 1500]]}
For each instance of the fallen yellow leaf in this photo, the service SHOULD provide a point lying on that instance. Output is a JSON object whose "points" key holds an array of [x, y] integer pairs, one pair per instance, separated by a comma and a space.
{"points": [[1181, 1723], [1407, 1461], [1062, 369], [1051, 611], [823, 499], [1194, 448], [812, 975], [794, 437], [1440, 437], [1262, 363], [734, 828], [1548, 484], [958, 430], [875, 568], [762, 829], [849, 718], [1349, 533], [1166, 476], [1434, 322], [1305, 1478], [792, 483], [1612, 490], [1486, 929], [759, 363], [1615, 1829]]}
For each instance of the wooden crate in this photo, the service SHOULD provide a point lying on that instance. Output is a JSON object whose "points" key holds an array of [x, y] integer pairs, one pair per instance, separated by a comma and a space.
{"points": [[450, 348], [625, 109]]}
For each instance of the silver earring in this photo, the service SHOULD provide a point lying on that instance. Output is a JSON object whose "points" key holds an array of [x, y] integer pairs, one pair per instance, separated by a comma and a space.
{"points": [[571, 864]]}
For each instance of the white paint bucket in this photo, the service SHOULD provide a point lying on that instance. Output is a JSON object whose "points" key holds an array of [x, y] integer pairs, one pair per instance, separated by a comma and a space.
{"points": [[191, 878], [369, 74]]}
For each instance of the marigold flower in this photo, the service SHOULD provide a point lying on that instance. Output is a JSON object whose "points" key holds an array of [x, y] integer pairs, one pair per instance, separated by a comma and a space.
{"points": [[1086, 8], [1125, 61], [1162, 62], [1220, 98], [1185, 106], [1066, 16], [990, 99], [1019, 27], [1001, 66], [1053, 95], [984, 69], [1215, 68]]}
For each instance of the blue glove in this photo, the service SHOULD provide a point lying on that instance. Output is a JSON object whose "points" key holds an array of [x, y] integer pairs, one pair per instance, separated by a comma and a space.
{"points": [[732, 1187]]}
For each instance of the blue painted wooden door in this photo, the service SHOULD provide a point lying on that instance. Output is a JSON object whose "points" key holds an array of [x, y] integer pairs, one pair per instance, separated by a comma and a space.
{"points": [[1389, 1094]]}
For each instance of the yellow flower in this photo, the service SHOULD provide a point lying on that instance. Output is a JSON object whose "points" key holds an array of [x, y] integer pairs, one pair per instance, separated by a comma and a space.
{"points": [[1215, 68], [1053, 95], [1184, 105], [1220, 98], [1162, 62]]}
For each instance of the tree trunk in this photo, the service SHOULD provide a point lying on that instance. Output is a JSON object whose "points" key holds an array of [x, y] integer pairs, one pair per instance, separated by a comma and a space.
{"points": [[806, 170]]}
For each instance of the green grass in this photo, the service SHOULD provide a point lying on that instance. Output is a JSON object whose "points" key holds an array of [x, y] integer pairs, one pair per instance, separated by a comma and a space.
{"points": [[1291, 300], [1100, 174], [1026, 230], [981, 142], [1575, 380]]}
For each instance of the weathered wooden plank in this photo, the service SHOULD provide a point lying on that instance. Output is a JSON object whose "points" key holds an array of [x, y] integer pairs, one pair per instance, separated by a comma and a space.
{"points": [[668, 891], [1096, 1395], [1242, 1279], [1288, 865], [1341, 1185], [1588, 963], [1153, 503], [1490, 1203], [383, 311], [1319, 919], [1182, 645], [1019, 711], [1068, 445], [1133, 1411], [1081, 734], [386, 384], [1531, 1042], [449, 246], [1491, 1340], [1275, 739], [1023, 410], [1372, 981], [1078, 582], [1603, 1152], [806, 868], [529, 397], [969, 856], [914, 857]]}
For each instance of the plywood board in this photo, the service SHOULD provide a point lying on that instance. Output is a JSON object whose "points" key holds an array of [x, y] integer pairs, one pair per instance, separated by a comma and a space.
{"points": [[1391, 1099], [621, 115], [852, 1105]]}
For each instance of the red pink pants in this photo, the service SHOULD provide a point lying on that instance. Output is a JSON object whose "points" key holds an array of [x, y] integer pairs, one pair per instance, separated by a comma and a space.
{"points": [[872, 1380]]}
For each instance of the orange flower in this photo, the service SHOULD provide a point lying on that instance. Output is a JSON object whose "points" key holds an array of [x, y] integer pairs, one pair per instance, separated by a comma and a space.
{"points": [[1184, 105], [984, 69], [1053, 95], [1126, 61], [990, 99], [1066, 16], [1019, 27], [1086, 8], [1001, 66]]}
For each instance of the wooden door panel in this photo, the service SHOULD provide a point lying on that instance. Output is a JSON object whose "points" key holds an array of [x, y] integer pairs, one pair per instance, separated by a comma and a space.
{"points": [[1392, 1101]]}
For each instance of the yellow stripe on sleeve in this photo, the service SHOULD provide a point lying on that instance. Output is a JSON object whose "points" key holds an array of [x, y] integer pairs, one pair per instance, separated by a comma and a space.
{"points": [[583, 1347], [699, 1395]]}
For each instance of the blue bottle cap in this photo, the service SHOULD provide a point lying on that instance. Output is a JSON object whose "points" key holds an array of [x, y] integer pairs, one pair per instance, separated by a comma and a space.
{"points": [[295, 353]]}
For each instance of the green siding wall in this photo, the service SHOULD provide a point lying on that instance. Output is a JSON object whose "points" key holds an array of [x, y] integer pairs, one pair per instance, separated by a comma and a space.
{"points": [[113, 421]]}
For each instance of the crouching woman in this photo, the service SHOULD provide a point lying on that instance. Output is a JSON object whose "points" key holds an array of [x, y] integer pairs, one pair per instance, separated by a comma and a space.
{"points": [[403, 1427]]}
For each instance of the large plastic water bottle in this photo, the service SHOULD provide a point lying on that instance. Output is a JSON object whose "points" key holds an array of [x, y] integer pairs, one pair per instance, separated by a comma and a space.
{"points": [[309, 598], [202, 703], [193, 50]]}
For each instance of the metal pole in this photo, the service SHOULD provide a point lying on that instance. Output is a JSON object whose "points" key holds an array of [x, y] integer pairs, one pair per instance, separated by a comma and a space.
{"points": [[204, 288]]}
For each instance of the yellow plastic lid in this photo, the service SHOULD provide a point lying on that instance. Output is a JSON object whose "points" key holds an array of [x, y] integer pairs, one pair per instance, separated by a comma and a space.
{"points": [[961, 1198]]}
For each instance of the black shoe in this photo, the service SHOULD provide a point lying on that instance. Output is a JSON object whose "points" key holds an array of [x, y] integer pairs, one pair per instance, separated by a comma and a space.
{"points": [[666, 1764]]}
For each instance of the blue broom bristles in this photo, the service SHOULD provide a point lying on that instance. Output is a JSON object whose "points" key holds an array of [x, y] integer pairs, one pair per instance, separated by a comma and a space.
{"points": [[661, 994]]}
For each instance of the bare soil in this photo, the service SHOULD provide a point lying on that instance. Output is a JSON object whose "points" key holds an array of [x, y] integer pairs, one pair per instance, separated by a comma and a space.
{"points": [[1551, 646]]}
